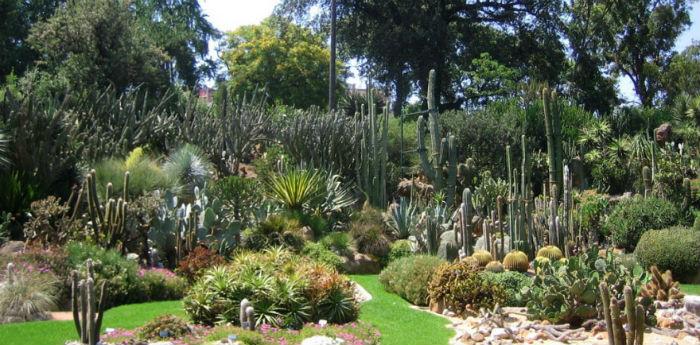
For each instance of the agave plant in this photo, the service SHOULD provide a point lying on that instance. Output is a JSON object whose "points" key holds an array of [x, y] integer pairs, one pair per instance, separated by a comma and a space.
{"points": [[190, 168], [297, 188], [337, 195], [401, 217]]}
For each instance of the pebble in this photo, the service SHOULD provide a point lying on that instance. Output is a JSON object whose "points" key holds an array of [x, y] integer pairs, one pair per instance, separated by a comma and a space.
{"points": [[499, 333], [478, 337]]}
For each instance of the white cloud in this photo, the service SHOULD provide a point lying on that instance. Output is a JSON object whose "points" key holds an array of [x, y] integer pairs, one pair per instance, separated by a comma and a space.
{"points": [[227, 15]]}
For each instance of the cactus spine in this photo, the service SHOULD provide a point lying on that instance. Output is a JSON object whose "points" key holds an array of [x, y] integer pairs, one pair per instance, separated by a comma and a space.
{"points": [[373, 132], [87, 308], [567, 228], [442, 152]]}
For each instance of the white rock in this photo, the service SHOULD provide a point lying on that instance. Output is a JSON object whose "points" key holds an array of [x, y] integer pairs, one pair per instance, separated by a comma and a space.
{"points": [[499, 333], [322, 340]]}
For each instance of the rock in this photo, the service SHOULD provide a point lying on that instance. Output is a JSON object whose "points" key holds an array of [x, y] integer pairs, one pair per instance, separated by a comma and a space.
{"points": [[437, 306], [362, 264], [406, 185], [692, 304], [448, 248], [478, 337], [499, 333], [663, 133], [322, 340], [669, 323], [12, 247], [307, 233], [132, 257]]}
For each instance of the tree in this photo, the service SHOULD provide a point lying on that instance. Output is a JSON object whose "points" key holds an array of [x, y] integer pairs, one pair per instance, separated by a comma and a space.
{"points": [[183, 32], [290, 61], [640, 40], [488, 80], [99, 43], [683, 74]]}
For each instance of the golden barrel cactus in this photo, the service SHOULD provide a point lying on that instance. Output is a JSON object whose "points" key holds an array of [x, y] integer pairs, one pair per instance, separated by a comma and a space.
{"points": [[516, 261], [550, 252], [482, 257]]}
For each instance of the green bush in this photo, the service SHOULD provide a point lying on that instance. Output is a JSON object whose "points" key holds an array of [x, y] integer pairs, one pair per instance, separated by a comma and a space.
{"points": [[337, 241], [123, 283], [276, 230], [400, 249], [630, 218], [676, 249], [409, 277], [512, 282], [320, 253], [171, 325], [160, 284], [145, 175], [591, 211], [368, 230], [286, 290]]}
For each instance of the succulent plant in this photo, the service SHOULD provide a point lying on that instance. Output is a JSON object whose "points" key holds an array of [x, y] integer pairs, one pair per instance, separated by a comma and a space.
{"points": [[662, 287], [87, 307], [633, 334], [494, 266], [550, 252], [482, 257], [516, 261]]}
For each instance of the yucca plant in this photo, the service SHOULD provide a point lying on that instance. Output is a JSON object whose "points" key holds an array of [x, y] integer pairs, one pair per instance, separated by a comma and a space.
{"points": [[401, 218], [188, 168], [297, 189]]}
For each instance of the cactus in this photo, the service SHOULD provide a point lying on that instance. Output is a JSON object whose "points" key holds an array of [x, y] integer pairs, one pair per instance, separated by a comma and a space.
{"points": [[494, 267], [550, 252], [442, 153], [567, 229], [634, 315], [10, 273], [552, 122], [371, 167], [499, 212], [87, 309], [482, 257], [245, 322], [465, 220], [250, 316], [466, 172], [646, 176], [516, 261], [687, 193], [107, 220], [662, 287]]}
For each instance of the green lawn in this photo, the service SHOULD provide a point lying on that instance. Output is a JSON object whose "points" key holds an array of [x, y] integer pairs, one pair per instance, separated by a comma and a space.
{"points": [[690, 289], [397, 321], [58, 332]]}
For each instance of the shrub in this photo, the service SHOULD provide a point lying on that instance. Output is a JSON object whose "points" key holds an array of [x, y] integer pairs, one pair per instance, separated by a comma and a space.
{"points": [[276, 230], [161, 284], [462, 289], [676, 249], [198, 260], [188, 168], [320, 253], [50, 223], [591, 211], [630, 218], [164, 326], [337, 241], [123, 283], [368, 231], [400, 249], [286, 290], [144, 174], [512, 283], [409, 277], [238, 194], [27, 294]]}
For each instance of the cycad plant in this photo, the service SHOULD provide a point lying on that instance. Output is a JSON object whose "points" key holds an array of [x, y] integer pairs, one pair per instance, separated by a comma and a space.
{"points": [[188, 168], [297, 189]]}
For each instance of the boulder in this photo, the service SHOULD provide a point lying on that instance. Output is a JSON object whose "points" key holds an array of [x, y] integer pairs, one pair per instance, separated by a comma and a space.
{"points": [[692, 304], [362, 264], [406, 186], [663, 133]]}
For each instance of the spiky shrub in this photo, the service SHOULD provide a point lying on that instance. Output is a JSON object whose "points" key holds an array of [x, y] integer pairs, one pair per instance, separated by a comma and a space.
{"points": [[145, 175], [286, 291], [50, 223], [676, 249], [462, 289], [27, 295], [516, 261], [513, 284], [632, 217], [164, 326], [296, 189], [276, 230], [188, 168], [318, 252], [337, 241], [482, 257], [550, 252], [409, 277], [402, 218]]}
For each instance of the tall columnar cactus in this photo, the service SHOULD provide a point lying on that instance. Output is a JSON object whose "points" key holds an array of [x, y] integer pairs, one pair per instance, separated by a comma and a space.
{"points": [[687, 193], [511, 195], [465, 220], [646, 176], [466, 172], [567, 228], [247, 315], [524, 202], [107, 220], [87, 307], [499, 212], [442, 151], [552, 122], [634, 314], [373, 132]]}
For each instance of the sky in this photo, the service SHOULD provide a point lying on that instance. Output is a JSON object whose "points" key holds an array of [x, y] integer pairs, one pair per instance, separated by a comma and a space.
{"points": [[227, 15]]}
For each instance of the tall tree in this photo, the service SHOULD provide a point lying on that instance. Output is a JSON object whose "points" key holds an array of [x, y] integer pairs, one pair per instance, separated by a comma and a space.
{"points": [[290, 61], [683, 74], [640, 40]]}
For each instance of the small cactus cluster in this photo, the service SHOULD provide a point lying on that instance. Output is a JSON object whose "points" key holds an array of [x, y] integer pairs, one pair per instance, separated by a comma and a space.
{"points": [[88, 308], [552, 253], [516, 261], [107, 219], [661, 287], [247, 315], [634, 315]]}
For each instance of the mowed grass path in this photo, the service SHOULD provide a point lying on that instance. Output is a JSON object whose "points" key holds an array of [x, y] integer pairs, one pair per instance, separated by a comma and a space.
{"points": [[690, 289], [58, 332], [397, 321]]}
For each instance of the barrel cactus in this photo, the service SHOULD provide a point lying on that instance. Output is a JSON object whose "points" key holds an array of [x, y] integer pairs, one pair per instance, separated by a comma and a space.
{"points": [[516, 261], [494, 267], [482, 257], [552, 253]]}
